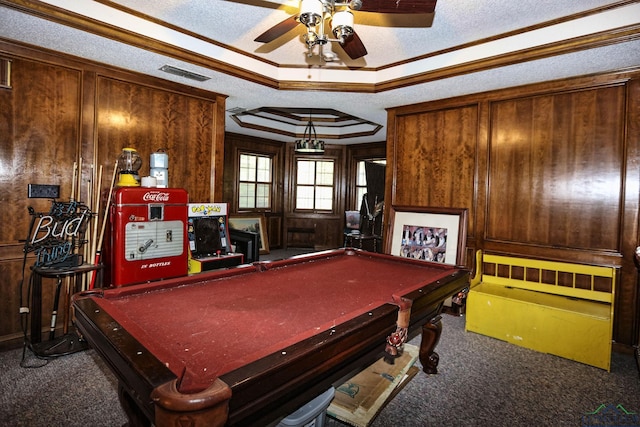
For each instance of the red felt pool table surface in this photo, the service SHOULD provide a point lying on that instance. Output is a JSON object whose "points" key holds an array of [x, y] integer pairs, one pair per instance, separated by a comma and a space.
{"points": [[214, 323], [219, 324]]}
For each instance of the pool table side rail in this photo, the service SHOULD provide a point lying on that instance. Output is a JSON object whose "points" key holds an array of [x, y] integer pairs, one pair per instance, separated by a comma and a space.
{"points": [[427, 301], [207, 276], [332, 253], [137, 369]]}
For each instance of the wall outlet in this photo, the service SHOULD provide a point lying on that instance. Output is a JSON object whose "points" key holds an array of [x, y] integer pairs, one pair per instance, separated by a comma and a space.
{"points": [[43, 191]]}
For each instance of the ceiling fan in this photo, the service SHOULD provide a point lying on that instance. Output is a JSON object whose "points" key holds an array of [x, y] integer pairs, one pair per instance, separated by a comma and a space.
{"points": [[314, 14]]}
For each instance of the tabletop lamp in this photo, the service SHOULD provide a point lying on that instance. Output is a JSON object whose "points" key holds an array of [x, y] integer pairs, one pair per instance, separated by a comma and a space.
{"points": [[129, 162]]}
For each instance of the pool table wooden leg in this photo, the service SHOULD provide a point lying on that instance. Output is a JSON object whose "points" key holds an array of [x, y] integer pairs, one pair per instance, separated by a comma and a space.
{"points": [[206, 408], [134, 413], [431, 332]]}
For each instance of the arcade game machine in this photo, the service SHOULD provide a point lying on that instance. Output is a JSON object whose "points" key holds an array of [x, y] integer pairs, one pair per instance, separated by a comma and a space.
{"points": [[209, 240]]}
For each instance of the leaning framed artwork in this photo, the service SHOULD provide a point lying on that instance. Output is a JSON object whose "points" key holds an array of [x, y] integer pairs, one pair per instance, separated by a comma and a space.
{"points": [[430, 234], [253, 223]]}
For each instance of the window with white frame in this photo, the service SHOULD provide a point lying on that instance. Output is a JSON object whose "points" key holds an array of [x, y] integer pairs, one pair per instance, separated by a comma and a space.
{"points": [[254, 188], [361, 184], [314, 184]]}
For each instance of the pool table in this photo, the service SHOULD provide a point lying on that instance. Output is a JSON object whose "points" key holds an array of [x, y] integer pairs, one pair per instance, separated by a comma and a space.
{"points": [[251, 344]]}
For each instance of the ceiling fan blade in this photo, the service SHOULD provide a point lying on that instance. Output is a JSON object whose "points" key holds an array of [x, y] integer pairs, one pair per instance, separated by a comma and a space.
{"points": [[398, 6], [278, 30], [269, 4], [354, 47]]}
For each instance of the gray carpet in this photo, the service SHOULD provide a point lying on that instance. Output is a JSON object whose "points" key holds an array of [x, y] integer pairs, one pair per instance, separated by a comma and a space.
{"points": [[486, 382], [481, 382]]}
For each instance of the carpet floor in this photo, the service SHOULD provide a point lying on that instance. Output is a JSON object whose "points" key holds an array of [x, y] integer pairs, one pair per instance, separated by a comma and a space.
{"points": [[481, 382]]}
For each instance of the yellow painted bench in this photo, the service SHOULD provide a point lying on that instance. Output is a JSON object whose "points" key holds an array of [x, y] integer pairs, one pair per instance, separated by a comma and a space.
{"points": [[558, 308]]}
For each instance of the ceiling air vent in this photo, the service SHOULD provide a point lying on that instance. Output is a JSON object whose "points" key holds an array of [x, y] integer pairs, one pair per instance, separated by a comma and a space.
{"points": [[184, 73]]}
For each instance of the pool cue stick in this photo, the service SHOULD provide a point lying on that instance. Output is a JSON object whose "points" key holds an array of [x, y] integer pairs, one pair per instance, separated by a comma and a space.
{"points": [[56, 302], [86, 249], [88, 231], [72, 196], [78, 184], [54, 314], [73, 181], [79, 180], [67, 304], [94, 234], [95, 207], [104, 225], [67, 298]]}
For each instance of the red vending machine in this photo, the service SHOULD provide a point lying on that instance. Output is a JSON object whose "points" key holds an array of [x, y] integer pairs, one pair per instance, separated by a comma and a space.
{"points": [[148, 235]]}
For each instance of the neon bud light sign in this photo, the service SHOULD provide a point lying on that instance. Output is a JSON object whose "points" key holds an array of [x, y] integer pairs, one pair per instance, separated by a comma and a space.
{"points": [[56, 236]]}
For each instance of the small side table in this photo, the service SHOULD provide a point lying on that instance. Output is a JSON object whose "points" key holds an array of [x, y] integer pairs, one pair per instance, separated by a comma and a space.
{"points": [[69, 342]]}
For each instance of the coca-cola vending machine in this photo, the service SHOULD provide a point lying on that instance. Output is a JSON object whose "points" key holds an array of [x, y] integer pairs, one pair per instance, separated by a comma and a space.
{"points": [[148, 235]]}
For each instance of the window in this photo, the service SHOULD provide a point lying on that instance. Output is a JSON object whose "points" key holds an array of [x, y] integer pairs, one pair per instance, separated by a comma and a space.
{"points": [[361, 180], [255, 182], [314, 185], [361, 184]]}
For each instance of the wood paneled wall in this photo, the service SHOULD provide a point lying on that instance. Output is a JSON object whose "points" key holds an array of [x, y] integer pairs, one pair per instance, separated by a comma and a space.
{"points": [[60, 111], [430, 146], [556, 169], [149, 118], [547, 171], [39, 137]]}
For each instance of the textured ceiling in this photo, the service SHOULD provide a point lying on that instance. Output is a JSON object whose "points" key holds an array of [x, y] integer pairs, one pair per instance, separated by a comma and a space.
{"points": [[469, 46]]}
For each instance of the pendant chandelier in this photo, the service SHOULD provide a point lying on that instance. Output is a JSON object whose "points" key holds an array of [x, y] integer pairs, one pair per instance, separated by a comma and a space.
{"points": [[309, 144]]}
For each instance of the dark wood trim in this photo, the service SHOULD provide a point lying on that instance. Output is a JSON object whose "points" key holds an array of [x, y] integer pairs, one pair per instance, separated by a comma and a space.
{"points": [[28, 52], [513, 33], [590, 81], [64, 17]]}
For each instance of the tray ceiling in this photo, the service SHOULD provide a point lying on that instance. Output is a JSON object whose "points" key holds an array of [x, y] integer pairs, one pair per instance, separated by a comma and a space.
{"points": [[466, 46]]}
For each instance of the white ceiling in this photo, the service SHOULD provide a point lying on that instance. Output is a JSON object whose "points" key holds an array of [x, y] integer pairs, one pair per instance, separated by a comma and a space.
{"points": [[543, 39]]}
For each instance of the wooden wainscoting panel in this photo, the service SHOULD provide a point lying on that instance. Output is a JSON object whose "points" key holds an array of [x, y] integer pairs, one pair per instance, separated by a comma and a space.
{"points": [[556, 169], [149, 119], [274, 230], [435, 159], [38, 144]]}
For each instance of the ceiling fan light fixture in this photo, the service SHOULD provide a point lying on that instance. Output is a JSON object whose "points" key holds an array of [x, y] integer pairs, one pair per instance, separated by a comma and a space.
{"points": [[311, 12], [342, 24], [355, 4], [314, 13]]}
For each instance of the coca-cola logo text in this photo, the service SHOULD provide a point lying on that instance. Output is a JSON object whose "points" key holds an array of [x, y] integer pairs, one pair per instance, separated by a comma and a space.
{"points": [[155, 196]]}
